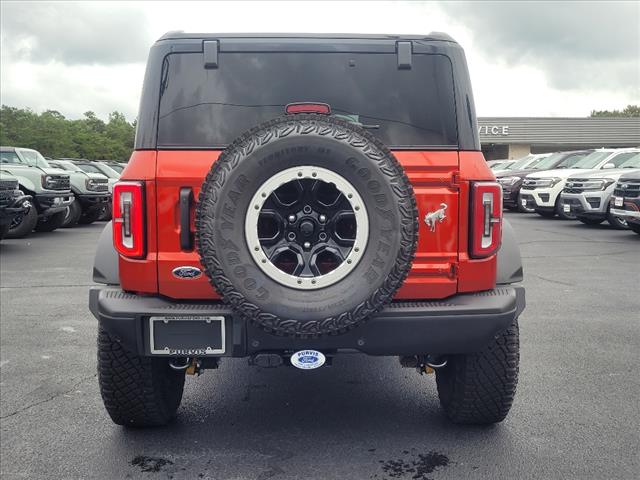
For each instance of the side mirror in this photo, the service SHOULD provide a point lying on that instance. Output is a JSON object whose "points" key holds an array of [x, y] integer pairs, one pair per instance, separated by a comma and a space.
{"points": [[607, 166]]}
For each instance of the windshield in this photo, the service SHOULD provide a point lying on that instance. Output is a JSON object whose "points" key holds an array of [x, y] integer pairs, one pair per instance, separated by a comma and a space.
{"points": [[633, 162], [117, 168], [9, 157], [591, 161], [66, 166], [500, 165], [202, 107], [108, 171], [621, 159], [32, 157], [90, 168], [521, 163]]}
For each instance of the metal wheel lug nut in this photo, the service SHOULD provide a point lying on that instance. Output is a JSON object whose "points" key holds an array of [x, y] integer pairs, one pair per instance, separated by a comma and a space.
{"points": [[322, 218], [322, 236], [307, 245], [292, 218], [291, 236]]}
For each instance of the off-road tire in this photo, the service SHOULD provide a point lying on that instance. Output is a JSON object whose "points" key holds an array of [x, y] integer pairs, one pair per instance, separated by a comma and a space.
{"points": [[50, 222], [590, 220], [137, 391], [26, 226], [90, 216], [72, 215], [331, 144], [479, 388], [616, 222]]}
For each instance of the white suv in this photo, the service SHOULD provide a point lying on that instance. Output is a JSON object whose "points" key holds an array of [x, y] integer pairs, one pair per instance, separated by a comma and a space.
{"points": [[541, 190]]}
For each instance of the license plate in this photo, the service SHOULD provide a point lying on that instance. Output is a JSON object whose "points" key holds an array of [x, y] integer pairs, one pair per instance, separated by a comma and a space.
{"points": [[618, 201], [566, 208], [523, 202], [187, 335]]}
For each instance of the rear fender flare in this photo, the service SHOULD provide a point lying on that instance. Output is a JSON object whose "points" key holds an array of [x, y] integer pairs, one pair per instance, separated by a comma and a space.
{"points": [[509, 259], [105, 263]]}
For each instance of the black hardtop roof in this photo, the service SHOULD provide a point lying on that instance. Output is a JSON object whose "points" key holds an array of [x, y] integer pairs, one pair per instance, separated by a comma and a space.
{"points": [[181, 35]]}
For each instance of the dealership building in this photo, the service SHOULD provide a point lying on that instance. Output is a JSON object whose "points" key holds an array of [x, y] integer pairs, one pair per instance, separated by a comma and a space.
{"points": [[515, 137]]}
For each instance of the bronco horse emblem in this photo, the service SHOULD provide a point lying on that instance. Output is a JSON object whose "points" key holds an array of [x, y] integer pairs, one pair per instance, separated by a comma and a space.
{"points": [[432, 218]]}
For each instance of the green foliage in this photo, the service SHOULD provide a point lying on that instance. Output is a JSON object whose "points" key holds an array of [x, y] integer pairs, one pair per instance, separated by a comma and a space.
{"points": [[629, 111], [55, 136]]}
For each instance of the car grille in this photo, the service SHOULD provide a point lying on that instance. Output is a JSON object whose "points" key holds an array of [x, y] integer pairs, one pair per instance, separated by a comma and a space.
{"points": [[8, 185], [627, 189], [7, 191], [101, 185], [579, 185], [59, 182]]}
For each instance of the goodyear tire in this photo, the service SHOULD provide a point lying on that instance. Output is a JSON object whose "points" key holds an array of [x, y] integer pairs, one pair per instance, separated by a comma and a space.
{"points": [[343, 227], [137, 391], [479, 388]]}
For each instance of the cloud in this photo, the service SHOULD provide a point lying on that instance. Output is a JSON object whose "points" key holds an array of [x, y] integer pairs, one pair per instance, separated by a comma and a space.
{"points": [[84, 33], [576, 44]]}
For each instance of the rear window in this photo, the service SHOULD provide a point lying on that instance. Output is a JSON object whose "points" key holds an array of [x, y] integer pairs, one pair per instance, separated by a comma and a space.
{"points": [[209, 108]]}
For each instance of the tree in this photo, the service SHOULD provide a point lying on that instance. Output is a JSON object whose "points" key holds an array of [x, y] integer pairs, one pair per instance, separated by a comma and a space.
{"points": [[55, 136], [629, 111]]}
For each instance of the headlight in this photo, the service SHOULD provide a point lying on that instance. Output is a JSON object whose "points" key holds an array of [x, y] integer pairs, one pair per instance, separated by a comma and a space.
{"points": [[509, 180], [48, 182], [91, 184], [598, 184], [547, 182]]}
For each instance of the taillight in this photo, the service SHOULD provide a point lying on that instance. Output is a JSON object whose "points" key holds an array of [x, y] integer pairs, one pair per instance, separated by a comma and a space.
{"points": [[128, 219], [486, 219]]}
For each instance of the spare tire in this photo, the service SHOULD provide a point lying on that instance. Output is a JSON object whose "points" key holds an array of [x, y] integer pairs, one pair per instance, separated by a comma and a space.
{"points": [[306, 225]]}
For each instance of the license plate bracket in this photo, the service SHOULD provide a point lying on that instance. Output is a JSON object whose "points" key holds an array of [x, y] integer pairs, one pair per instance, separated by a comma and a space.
{"points": [[618, 201], [187, 335], [566, 208]]}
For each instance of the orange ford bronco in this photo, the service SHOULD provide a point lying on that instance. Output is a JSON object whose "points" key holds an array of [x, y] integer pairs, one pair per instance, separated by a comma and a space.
{"points": [[296, 197]]}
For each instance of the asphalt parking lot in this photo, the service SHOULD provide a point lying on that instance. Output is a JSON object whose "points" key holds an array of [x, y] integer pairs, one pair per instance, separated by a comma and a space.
{"points": [[576, 413]]}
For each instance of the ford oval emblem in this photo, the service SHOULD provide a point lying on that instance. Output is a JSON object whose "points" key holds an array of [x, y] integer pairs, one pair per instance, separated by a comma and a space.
{"points": [[307, 359], [187, 272]]}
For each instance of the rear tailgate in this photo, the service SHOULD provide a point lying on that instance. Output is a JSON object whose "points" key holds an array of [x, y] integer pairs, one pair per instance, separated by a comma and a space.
{"points": [[432, 174]]}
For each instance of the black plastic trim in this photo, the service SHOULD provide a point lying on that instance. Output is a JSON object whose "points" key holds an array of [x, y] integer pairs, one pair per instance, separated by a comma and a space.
{"points": [[463, 323], [186, 237]]}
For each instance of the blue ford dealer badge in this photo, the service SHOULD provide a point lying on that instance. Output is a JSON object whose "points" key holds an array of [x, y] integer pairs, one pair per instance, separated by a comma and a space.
{"points": [[307, 359], [186, 272]]}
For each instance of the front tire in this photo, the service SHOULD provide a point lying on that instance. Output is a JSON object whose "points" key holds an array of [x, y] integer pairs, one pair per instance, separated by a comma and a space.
{"points": [[590, 220], [51, 222], [137, 391], [23, 225], [72, 215], [635, 227], [90, 216], [617, 222], [479, 388]]}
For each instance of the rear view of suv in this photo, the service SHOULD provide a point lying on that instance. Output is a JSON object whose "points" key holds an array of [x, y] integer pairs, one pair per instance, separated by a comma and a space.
{"points": [[293, 198]]}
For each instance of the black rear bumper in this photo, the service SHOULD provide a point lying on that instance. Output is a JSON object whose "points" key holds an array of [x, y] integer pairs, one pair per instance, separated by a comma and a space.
{"points": [[463, 323]]}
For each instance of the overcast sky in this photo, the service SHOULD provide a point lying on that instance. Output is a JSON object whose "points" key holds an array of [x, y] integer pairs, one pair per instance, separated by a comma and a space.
{"points": [[525, 59]]}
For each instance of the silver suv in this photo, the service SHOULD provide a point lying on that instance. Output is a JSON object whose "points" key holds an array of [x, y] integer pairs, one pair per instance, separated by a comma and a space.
{"points": [[587, 194]]}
